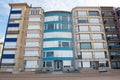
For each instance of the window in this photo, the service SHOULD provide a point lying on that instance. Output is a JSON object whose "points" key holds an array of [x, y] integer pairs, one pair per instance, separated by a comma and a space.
{"points": [[31, 64], [34, 12], [112, 36], [84, 36], [97, 36], [86, 64], [10, 45], [86, 55], [47, 64], [82, 13], [48, 54], [34, 19], [83, 28], [14, 9], [98, 45], [85, 45], [65, 26], [107, 13], [102, 64], [33, 27], [82, 20], [110, 28], [50, 26], [15, 16], [9, 52], [95, 28], [11, 36], [31, 53], [99, 54], [109, 20], [13, 28], [93, 13], [94, 20], [14, 21], [8, 61], [65, 44], [66, 63], [64, 18], [33, 35], [32, 44]]}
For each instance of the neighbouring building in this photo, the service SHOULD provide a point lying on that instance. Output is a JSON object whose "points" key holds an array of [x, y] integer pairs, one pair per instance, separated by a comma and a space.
{"points": [[89, 38], [112, 35], [85, 38]]}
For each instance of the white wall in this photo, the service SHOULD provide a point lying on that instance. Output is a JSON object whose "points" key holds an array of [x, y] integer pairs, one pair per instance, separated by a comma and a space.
{"points": [[63, 53], [50, 44], [58, 35]]}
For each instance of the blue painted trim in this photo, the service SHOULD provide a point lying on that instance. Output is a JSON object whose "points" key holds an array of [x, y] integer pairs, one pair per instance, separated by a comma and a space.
{"points": [[57, 14], [16, 12], [10, 39], [53, 22], [57, 31], [59, 58], [5, 36], [57, 48], [8, 56], [13, 25], [57, 39]]}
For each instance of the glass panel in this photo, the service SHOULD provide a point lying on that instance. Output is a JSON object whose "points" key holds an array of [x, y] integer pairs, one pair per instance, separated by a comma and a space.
{"points": [[93, 13], [85, 45], [82, 13], [65, 44], [83, 20], [48, 64], [49, 54]]}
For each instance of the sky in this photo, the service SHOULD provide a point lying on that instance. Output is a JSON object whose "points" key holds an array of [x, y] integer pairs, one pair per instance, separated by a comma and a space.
{"points": [[49, 5]]}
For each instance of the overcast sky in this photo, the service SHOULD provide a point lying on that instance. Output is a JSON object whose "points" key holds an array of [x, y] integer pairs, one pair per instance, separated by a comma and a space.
{"points": [[50, 5]]}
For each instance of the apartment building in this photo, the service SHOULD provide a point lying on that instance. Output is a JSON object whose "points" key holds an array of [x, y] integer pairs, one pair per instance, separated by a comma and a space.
{"points": [[22, 46], [112, 35], [57, 42], [89, 38], [1, 47], [85, 38]]}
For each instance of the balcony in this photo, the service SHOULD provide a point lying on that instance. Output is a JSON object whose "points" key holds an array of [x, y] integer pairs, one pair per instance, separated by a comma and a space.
{"points": [[113, 39], [12, 32], [115, 57], [114, 47]]}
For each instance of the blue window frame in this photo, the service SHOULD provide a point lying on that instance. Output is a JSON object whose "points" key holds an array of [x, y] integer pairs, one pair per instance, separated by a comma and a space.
{"points": [[11, 40], [13, 25], [9, 56], [16, 12]]}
